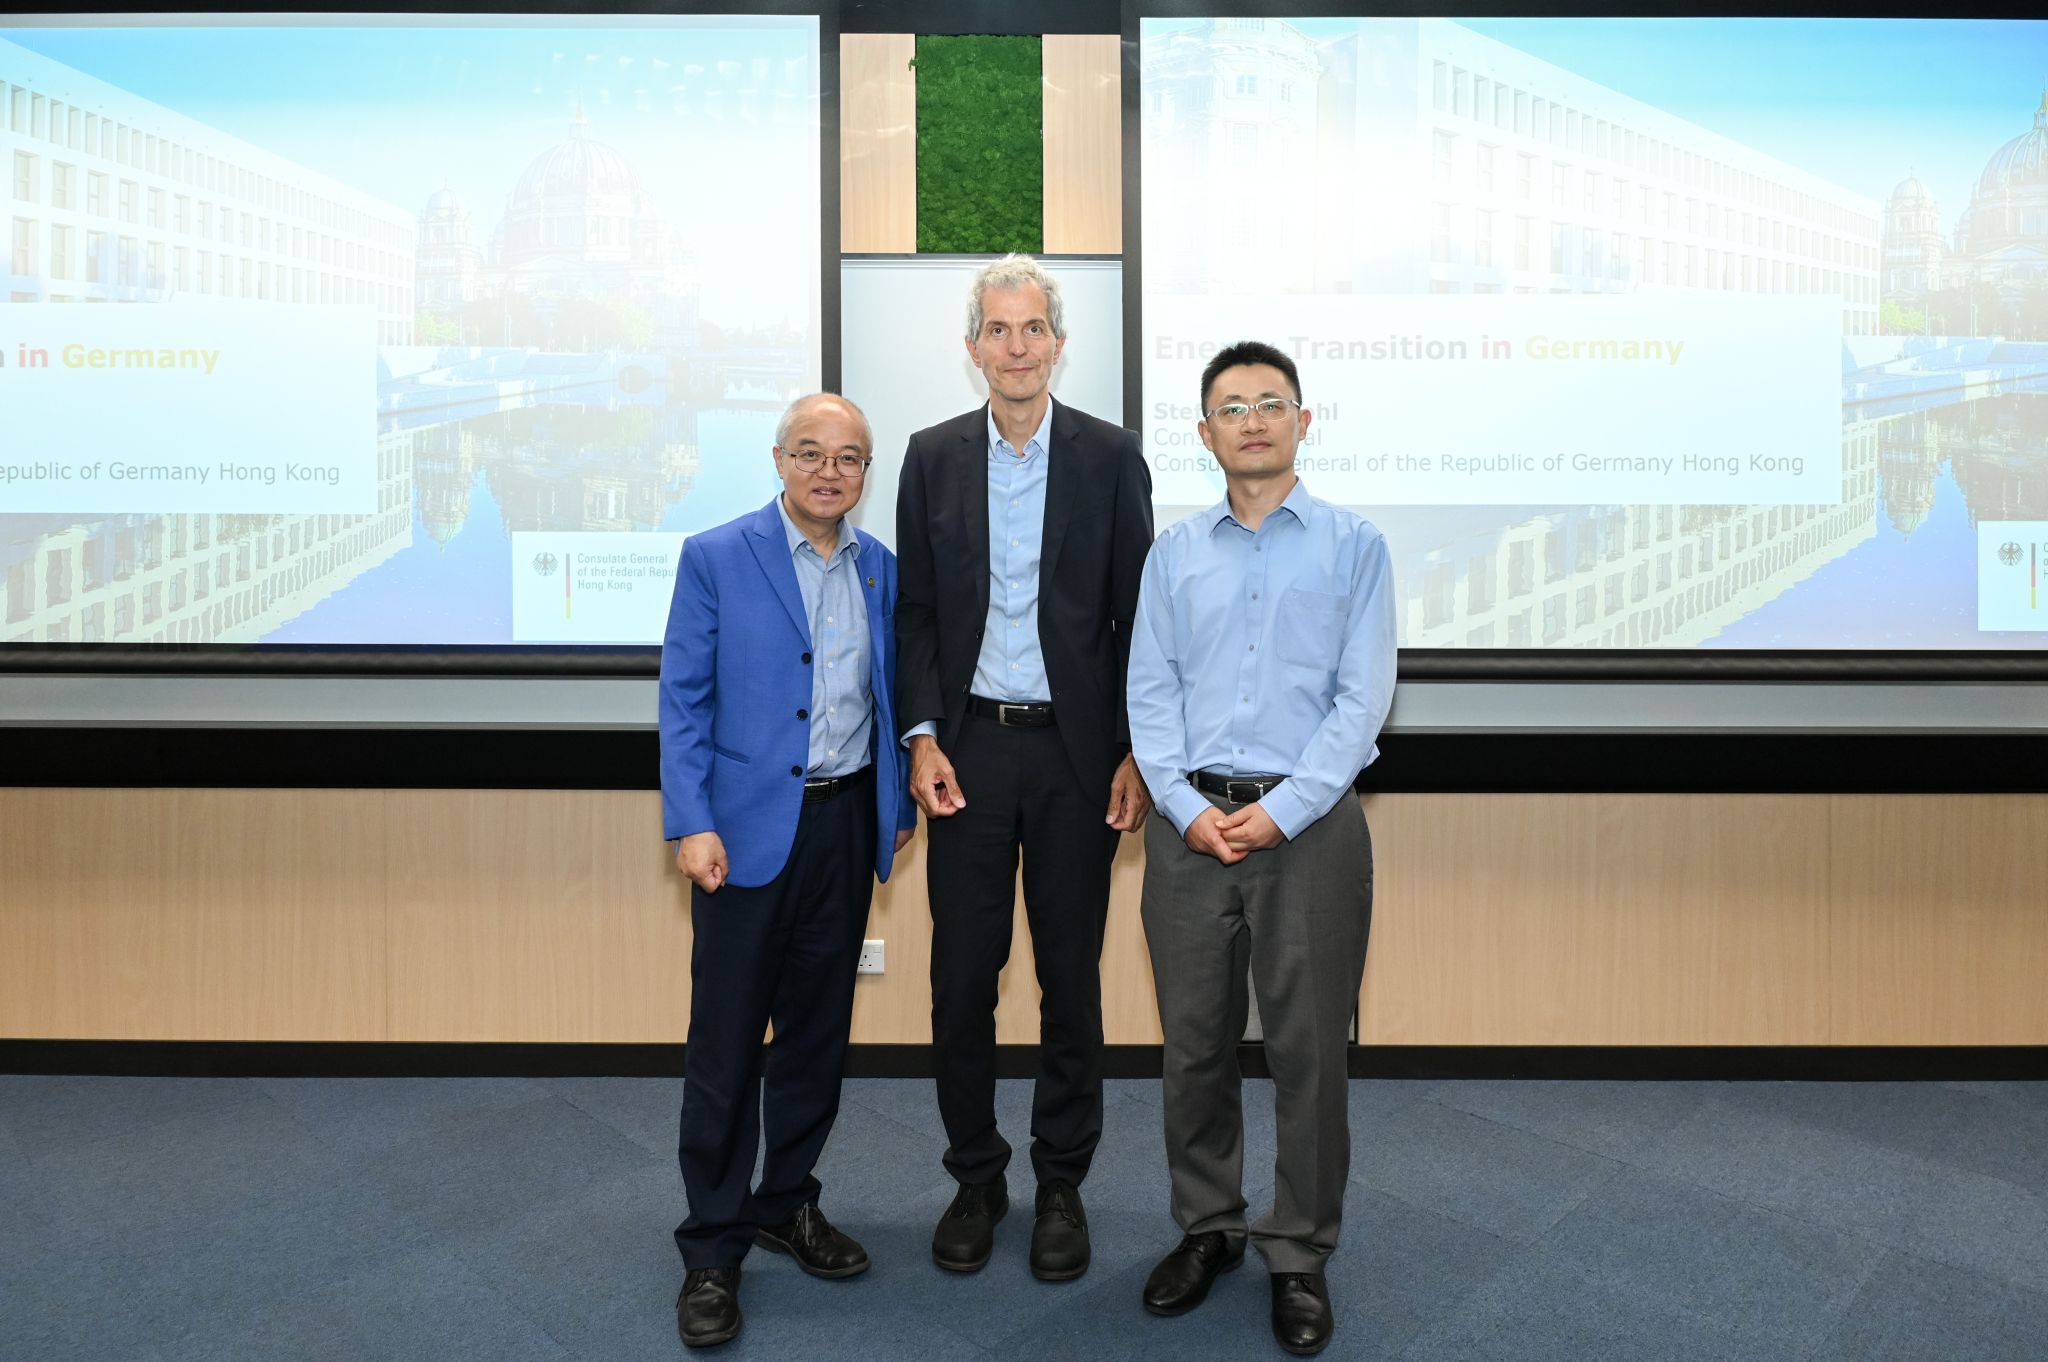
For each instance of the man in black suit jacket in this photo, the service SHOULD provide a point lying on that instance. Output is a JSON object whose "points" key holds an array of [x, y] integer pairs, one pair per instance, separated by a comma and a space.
{"points": [[1022, 532]]}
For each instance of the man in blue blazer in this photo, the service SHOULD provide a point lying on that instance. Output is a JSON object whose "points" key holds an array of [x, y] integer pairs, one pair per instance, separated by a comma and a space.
{"points": [[784, 785]]}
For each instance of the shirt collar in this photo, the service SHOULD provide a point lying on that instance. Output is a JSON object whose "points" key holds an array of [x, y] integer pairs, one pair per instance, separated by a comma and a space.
{"points": [[1296, 504], [798, 541], [1042, 437]]}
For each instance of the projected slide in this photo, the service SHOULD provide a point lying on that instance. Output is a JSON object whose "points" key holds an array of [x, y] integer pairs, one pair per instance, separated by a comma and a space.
{"points": [[1724, 333], [425, 330]]}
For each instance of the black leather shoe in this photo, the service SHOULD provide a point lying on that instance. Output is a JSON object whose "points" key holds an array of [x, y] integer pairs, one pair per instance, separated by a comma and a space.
{"points": [[1059, 1237], [966, 1233], [1301, 1312], [708, 1308], [1182, 1280], [818, 1248]]}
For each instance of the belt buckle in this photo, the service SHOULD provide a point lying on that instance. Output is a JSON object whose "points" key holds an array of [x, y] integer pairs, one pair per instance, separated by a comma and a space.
{"points": [[1231, 788], [1003, 708]]}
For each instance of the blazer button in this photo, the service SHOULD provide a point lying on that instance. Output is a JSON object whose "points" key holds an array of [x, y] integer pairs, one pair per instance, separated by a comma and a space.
{"points": [[796, 770], [803, 714], [805, 658]]}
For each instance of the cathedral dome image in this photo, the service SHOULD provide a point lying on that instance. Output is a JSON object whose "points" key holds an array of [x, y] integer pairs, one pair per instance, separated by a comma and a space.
{"points": [[580, 199], [582, 257], [2009, 205], [446, 259], [2000, 244], [2021, 162], [578, 168], [445, 203]]}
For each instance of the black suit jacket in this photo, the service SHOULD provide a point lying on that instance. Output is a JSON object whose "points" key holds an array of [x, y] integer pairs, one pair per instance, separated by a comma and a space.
{"points": [[1098, 529]]}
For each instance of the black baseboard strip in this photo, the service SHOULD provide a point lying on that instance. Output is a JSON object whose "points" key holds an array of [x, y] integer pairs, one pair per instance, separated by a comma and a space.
{"points": [[322, 1059], [1410, 763]]}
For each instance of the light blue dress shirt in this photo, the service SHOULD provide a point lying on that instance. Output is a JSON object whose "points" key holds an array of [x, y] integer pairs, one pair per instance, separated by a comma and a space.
{"points": [[1263, 652], [842, 703], [1012, 665]]}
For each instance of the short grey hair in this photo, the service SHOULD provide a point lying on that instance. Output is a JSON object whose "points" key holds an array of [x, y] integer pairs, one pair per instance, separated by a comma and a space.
{"points": [[809, 400], [1011, 272]]}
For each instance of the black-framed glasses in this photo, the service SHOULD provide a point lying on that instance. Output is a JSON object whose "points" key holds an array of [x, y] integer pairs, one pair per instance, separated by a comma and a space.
{"points": [[1268, 408], [812, 460]]}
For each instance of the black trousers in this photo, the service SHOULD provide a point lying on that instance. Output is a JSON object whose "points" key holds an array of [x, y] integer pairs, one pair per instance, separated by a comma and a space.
{"points": [[1022, 795], [786, 952]]}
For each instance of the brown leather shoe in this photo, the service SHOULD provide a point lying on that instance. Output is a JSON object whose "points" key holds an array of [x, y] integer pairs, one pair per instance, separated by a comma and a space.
{"points": [[1302, 1321], [818, 1248], [1182, 1280], [708, 1307]]}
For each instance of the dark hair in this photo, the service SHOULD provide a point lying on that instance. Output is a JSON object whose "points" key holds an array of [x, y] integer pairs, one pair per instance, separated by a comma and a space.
{"points": [[1248, 352]]}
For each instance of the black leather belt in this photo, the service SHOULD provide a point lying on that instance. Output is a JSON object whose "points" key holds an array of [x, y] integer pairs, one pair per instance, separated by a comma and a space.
{"points": [[818, 791], [1236, 789], [1004, 712]]}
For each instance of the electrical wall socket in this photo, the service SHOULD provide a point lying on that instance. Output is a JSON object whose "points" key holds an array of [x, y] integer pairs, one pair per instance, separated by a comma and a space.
{"points": [[871, 957]]}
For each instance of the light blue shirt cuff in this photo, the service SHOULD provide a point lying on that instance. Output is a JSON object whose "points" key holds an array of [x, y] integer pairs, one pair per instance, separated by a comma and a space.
{"points": [[927, 729], [1182, 804], [1288, 809]]}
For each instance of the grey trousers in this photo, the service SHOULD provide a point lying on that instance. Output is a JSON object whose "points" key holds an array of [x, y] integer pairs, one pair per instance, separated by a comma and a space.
{"points": [[1297, 916]]}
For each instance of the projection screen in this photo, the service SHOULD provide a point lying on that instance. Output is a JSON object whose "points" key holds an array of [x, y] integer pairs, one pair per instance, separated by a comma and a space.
{"points": [[438, 331], [1630, 333]]}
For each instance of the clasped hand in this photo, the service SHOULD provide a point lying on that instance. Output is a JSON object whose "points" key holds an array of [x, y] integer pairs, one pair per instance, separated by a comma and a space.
{"points": [[1230, 837]]}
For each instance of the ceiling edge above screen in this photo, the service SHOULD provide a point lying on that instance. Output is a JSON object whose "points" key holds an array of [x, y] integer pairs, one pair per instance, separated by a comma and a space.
{"points": [[602, 137], [1761, 657]]}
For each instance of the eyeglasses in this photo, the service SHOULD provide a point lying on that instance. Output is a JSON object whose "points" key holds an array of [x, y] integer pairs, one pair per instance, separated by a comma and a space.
{"points": [[1234, 413], [812, 460]]}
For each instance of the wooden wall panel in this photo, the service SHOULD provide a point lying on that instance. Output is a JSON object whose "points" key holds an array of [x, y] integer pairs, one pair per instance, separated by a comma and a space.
{"points": [[877, 142], [895, 1008], [1940, 920], [535, 916], [1130, 1008], [1705, 906], [558, 916], [1468, 946], [1597, 920], [1084, 174], [191, 915]]}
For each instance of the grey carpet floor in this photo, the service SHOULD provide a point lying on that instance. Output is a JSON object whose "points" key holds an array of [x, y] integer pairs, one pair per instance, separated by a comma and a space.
{"points": [[507, 1219]]}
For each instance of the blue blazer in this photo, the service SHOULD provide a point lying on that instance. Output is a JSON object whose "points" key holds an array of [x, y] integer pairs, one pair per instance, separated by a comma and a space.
{"points": [[735, 669]]}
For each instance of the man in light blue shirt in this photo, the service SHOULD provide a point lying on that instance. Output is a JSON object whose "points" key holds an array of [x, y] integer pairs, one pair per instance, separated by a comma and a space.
{"points": [[1262, 666]]}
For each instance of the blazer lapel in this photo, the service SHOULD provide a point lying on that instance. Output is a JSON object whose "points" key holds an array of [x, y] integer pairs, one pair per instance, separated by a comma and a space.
{"points": [[771, 551], [973, 504], [1062, 485], [871, 596]]}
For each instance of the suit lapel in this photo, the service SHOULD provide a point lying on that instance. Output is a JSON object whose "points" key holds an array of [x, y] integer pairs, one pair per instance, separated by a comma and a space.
{"points": [[771, 550], [868, 564], [1062, 485], [973, 505]]}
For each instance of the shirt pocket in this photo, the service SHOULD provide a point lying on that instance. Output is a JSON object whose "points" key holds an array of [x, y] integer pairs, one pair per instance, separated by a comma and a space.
{"points": [[1309, 631]]}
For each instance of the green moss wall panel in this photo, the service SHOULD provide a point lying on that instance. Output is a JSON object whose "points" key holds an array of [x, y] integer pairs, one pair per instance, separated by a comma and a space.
{"points": [[980, 145]]}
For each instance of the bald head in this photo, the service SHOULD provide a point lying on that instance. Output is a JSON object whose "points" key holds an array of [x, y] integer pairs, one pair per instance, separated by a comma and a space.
{"points": [[817, 402]]}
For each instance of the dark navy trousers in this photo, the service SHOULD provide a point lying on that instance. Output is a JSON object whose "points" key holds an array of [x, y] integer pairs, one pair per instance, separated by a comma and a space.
{"points": [[785, 952]]}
